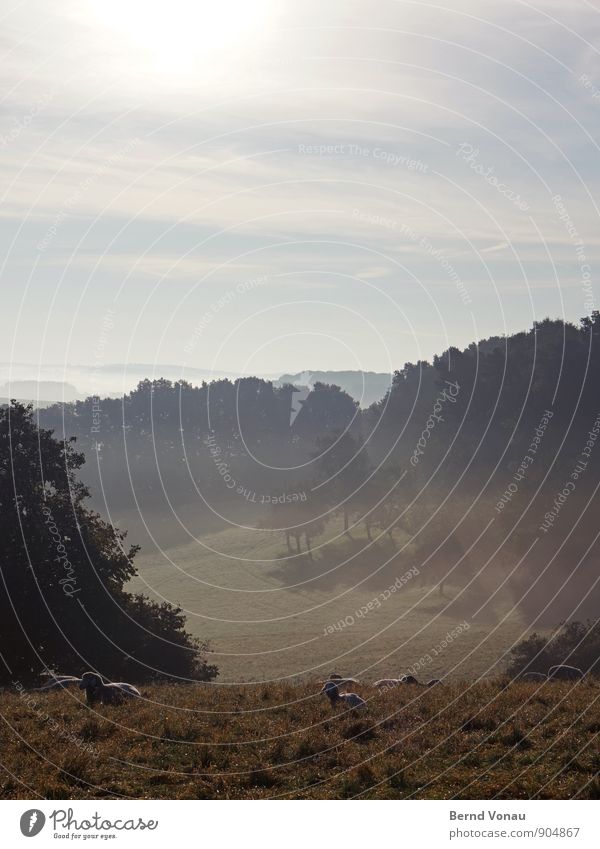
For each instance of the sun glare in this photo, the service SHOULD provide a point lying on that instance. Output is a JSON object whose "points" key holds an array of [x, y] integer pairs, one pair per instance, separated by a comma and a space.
{"points": [[179, 34]]}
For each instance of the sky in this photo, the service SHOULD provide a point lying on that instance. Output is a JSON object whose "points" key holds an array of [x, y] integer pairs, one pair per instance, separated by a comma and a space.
{"points": [[283, 186]]}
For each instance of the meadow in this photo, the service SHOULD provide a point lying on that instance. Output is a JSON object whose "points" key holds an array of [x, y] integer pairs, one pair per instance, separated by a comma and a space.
{"points": [[271, 616], [483, 740]]}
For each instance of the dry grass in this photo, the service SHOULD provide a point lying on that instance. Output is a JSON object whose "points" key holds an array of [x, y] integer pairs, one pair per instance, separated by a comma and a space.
{"points": [[466, 741]]}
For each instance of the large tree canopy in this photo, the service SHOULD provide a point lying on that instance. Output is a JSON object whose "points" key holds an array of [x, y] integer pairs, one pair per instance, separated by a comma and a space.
{"points": [[63, 570]]}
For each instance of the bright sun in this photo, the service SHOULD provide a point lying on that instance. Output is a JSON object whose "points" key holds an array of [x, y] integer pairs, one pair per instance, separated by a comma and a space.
{"points": [[186, 33]]}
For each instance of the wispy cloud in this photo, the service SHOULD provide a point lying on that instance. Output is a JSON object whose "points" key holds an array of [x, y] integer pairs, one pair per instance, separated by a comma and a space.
{"points": [[310, 153]]}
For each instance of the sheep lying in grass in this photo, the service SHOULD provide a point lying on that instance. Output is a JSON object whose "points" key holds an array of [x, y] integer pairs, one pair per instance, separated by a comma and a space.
{"points": [[386, 683], [533, 677], [58, 682], [351, 700], [107, 694], [339, 681], [96, 689], [562, 672]]}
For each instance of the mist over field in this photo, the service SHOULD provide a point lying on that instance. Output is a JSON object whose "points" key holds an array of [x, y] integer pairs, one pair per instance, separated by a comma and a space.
{"points": [[279, 516]]}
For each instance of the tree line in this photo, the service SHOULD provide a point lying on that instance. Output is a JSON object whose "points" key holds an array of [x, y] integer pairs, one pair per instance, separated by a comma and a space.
{"points": [[502, 431]]}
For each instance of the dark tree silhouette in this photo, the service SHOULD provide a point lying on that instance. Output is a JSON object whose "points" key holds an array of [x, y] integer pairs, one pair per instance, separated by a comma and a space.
{"points": [[63, 602]]}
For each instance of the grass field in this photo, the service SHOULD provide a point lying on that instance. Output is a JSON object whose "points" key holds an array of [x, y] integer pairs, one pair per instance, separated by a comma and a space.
{"points": [[483, 740], [271, 616]]}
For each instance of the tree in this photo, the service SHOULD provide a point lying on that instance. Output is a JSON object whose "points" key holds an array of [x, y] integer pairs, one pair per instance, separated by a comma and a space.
{"points": [[342, 468], [296, 515], [384, 501], [326, 410], [63, 571]]}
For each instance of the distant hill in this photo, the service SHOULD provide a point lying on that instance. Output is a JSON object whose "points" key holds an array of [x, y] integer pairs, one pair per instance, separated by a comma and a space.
{"points": [[49, 383], [53, 382], [366, 387], [39, 391]]}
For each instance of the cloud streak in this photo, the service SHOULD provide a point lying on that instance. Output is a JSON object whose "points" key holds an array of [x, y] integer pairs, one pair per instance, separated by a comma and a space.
{"points": [[193, 176]]}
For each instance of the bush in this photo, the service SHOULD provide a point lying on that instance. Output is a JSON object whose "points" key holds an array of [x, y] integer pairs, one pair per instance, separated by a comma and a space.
{"points": [[576, 644]]}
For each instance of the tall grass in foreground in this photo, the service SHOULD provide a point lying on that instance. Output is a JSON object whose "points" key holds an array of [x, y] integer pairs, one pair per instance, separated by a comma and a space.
{"points": [[480, 740]]}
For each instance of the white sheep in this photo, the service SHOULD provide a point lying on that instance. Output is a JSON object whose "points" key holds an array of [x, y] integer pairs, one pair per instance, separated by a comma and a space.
{"points": [[96, 690], [532, 677], [352, 700], [562, 672], [385, 683], [339, 681]]}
